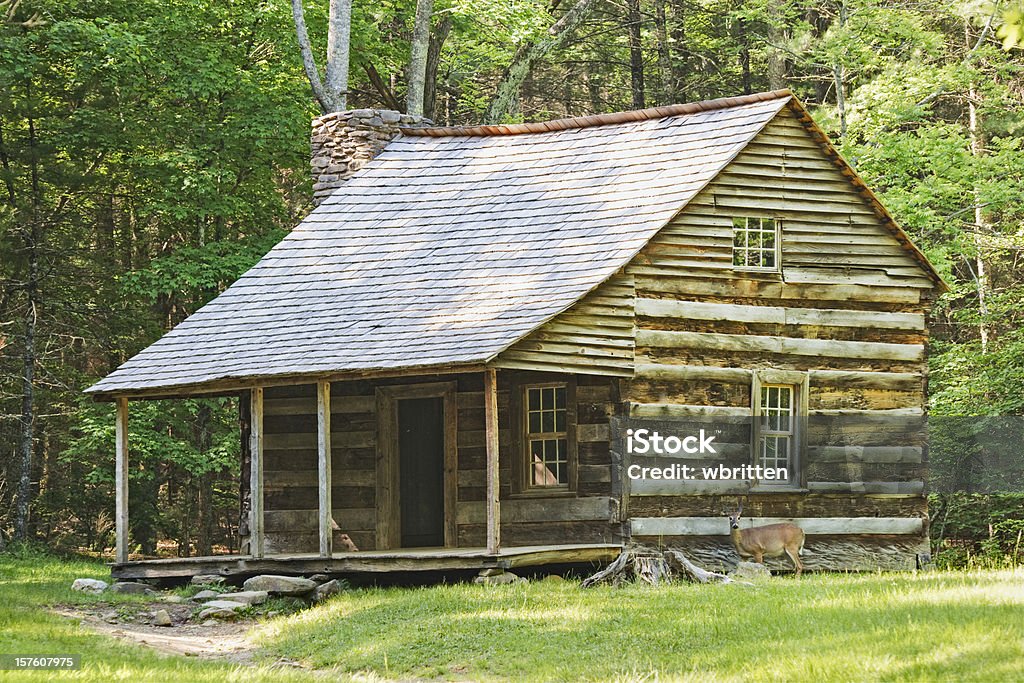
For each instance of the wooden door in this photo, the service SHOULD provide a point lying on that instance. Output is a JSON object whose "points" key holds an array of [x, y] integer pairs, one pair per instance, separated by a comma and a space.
{"points": [[416, 466], [421, 471]]}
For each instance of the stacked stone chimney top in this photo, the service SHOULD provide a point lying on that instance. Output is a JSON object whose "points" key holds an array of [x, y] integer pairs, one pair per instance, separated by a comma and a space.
{"points": [[343, 142]]}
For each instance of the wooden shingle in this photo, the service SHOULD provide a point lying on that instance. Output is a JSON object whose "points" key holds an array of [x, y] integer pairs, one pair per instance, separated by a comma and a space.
{"points": [[446, 250]]}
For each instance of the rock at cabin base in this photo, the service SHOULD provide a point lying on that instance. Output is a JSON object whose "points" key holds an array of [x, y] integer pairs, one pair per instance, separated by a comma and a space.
{"points": [[280, 585], [93, 586], [208, 615], [320, 578], [326, 590], [161, 618], [505, 578], [247, 597], [204, 595], [174, 599], [207, 580], [131, 588], [750, 571], [225, 604]]}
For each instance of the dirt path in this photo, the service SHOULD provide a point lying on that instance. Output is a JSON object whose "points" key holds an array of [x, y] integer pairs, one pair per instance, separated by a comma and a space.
{"points": [[221, 641]]}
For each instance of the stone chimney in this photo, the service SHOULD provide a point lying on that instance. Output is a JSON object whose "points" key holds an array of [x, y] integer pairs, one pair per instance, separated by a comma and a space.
{"points": [[343, 142]]}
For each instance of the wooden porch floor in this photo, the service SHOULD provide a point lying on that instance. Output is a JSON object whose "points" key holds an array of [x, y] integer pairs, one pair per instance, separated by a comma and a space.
{"points": [[368, 561]]}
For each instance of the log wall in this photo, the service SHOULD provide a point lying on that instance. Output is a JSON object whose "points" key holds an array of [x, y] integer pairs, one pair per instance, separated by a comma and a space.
{"points": [[290, 477], [848, 308]]}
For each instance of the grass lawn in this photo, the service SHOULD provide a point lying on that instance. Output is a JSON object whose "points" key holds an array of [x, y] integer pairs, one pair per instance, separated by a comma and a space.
{"points": [[935, 626], [30, 583]]}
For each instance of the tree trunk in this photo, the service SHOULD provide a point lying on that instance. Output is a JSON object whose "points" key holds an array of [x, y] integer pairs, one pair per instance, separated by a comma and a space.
{"points": [[331, 92], [776, 55], [677, 51], [741, 28], [981, 223], [668, 95], [506, 99], [24, 497], [339, 32], [636, 55], [437, 38], [414, 97], [839, 75], [28, 417]]}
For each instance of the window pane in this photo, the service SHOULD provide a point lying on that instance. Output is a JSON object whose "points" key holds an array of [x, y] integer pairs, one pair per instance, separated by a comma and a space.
{"points": [[755, 242], [548, 421], [560, 397], [534, 423], [560, 421], [534, 398]]}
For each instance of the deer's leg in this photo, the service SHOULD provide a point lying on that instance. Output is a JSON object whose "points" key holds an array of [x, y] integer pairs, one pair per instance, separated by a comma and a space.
{"points": [[759, 558], [795, 557]]}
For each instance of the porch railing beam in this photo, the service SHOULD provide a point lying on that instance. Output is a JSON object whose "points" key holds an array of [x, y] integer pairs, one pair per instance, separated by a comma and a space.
{"points": [[256, 472], [323, 448], [121, 481], [493, 483]]}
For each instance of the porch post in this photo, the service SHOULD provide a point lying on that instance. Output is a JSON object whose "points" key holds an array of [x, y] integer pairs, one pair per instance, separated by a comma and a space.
{"points": [[121, 481], [256, 472], [491, 432], [323, 447]]}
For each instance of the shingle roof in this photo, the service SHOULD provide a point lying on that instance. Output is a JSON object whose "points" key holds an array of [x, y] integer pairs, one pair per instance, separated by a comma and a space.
{"points": [[446, 249]]}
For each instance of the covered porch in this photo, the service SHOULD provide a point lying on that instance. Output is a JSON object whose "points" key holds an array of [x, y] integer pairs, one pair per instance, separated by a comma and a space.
{"points": [[307, 480]]}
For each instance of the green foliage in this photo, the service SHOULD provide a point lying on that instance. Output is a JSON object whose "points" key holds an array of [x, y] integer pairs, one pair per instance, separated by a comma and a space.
{"points": [[977, 530], [194, 273], [152, 151]]}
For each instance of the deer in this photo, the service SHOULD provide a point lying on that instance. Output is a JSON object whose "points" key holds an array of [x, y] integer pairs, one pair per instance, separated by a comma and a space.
{"points": [[771, 540], [343, 541]]}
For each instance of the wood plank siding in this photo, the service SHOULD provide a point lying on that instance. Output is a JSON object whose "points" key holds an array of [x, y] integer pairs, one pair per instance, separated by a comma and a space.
{"points": [[290, 476], [594, 336]]}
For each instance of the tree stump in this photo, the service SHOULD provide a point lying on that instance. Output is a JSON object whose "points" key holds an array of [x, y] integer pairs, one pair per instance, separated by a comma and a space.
{"points": [[640, 563]]}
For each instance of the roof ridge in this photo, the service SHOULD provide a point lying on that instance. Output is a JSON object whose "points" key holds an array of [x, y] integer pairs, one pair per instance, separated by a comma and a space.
{"points": [[598, 119]]}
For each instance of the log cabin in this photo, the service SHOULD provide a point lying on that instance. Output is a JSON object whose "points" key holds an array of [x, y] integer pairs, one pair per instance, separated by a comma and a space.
{"points": [[444, 356]]}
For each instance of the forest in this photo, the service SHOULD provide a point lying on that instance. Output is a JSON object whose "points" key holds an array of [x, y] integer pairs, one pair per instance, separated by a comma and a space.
{"points": [[151, 152]]}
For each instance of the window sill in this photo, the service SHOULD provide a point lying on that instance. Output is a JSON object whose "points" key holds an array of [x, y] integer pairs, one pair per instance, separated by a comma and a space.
{"points": [[759, 274], [540, 493]]}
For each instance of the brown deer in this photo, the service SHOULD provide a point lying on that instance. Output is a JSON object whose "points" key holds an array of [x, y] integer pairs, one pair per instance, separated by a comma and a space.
{"points": [[342, 541], [771, 540]]}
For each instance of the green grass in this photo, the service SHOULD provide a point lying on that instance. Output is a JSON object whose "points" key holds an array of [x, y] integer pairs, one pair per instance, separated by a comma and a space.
{"points": [[31, 582], [888, 627]]}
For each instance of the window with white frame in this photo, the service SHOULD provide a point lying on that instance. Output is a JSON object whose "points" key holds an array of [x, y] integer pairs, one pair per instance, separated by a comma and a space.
{"points": [[777, 430], [755, 243], [547, 441]]}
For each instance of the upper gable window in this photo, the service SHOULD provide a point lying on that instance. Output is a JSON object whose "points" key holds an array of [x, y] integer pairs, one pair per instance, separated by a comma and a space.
{"points": [[755, 243]]}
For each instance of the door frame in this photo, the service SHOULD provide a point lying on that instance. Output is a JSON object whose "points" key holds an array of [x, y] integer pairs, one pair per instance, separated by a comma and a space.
{"points": [[389, 521]]}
